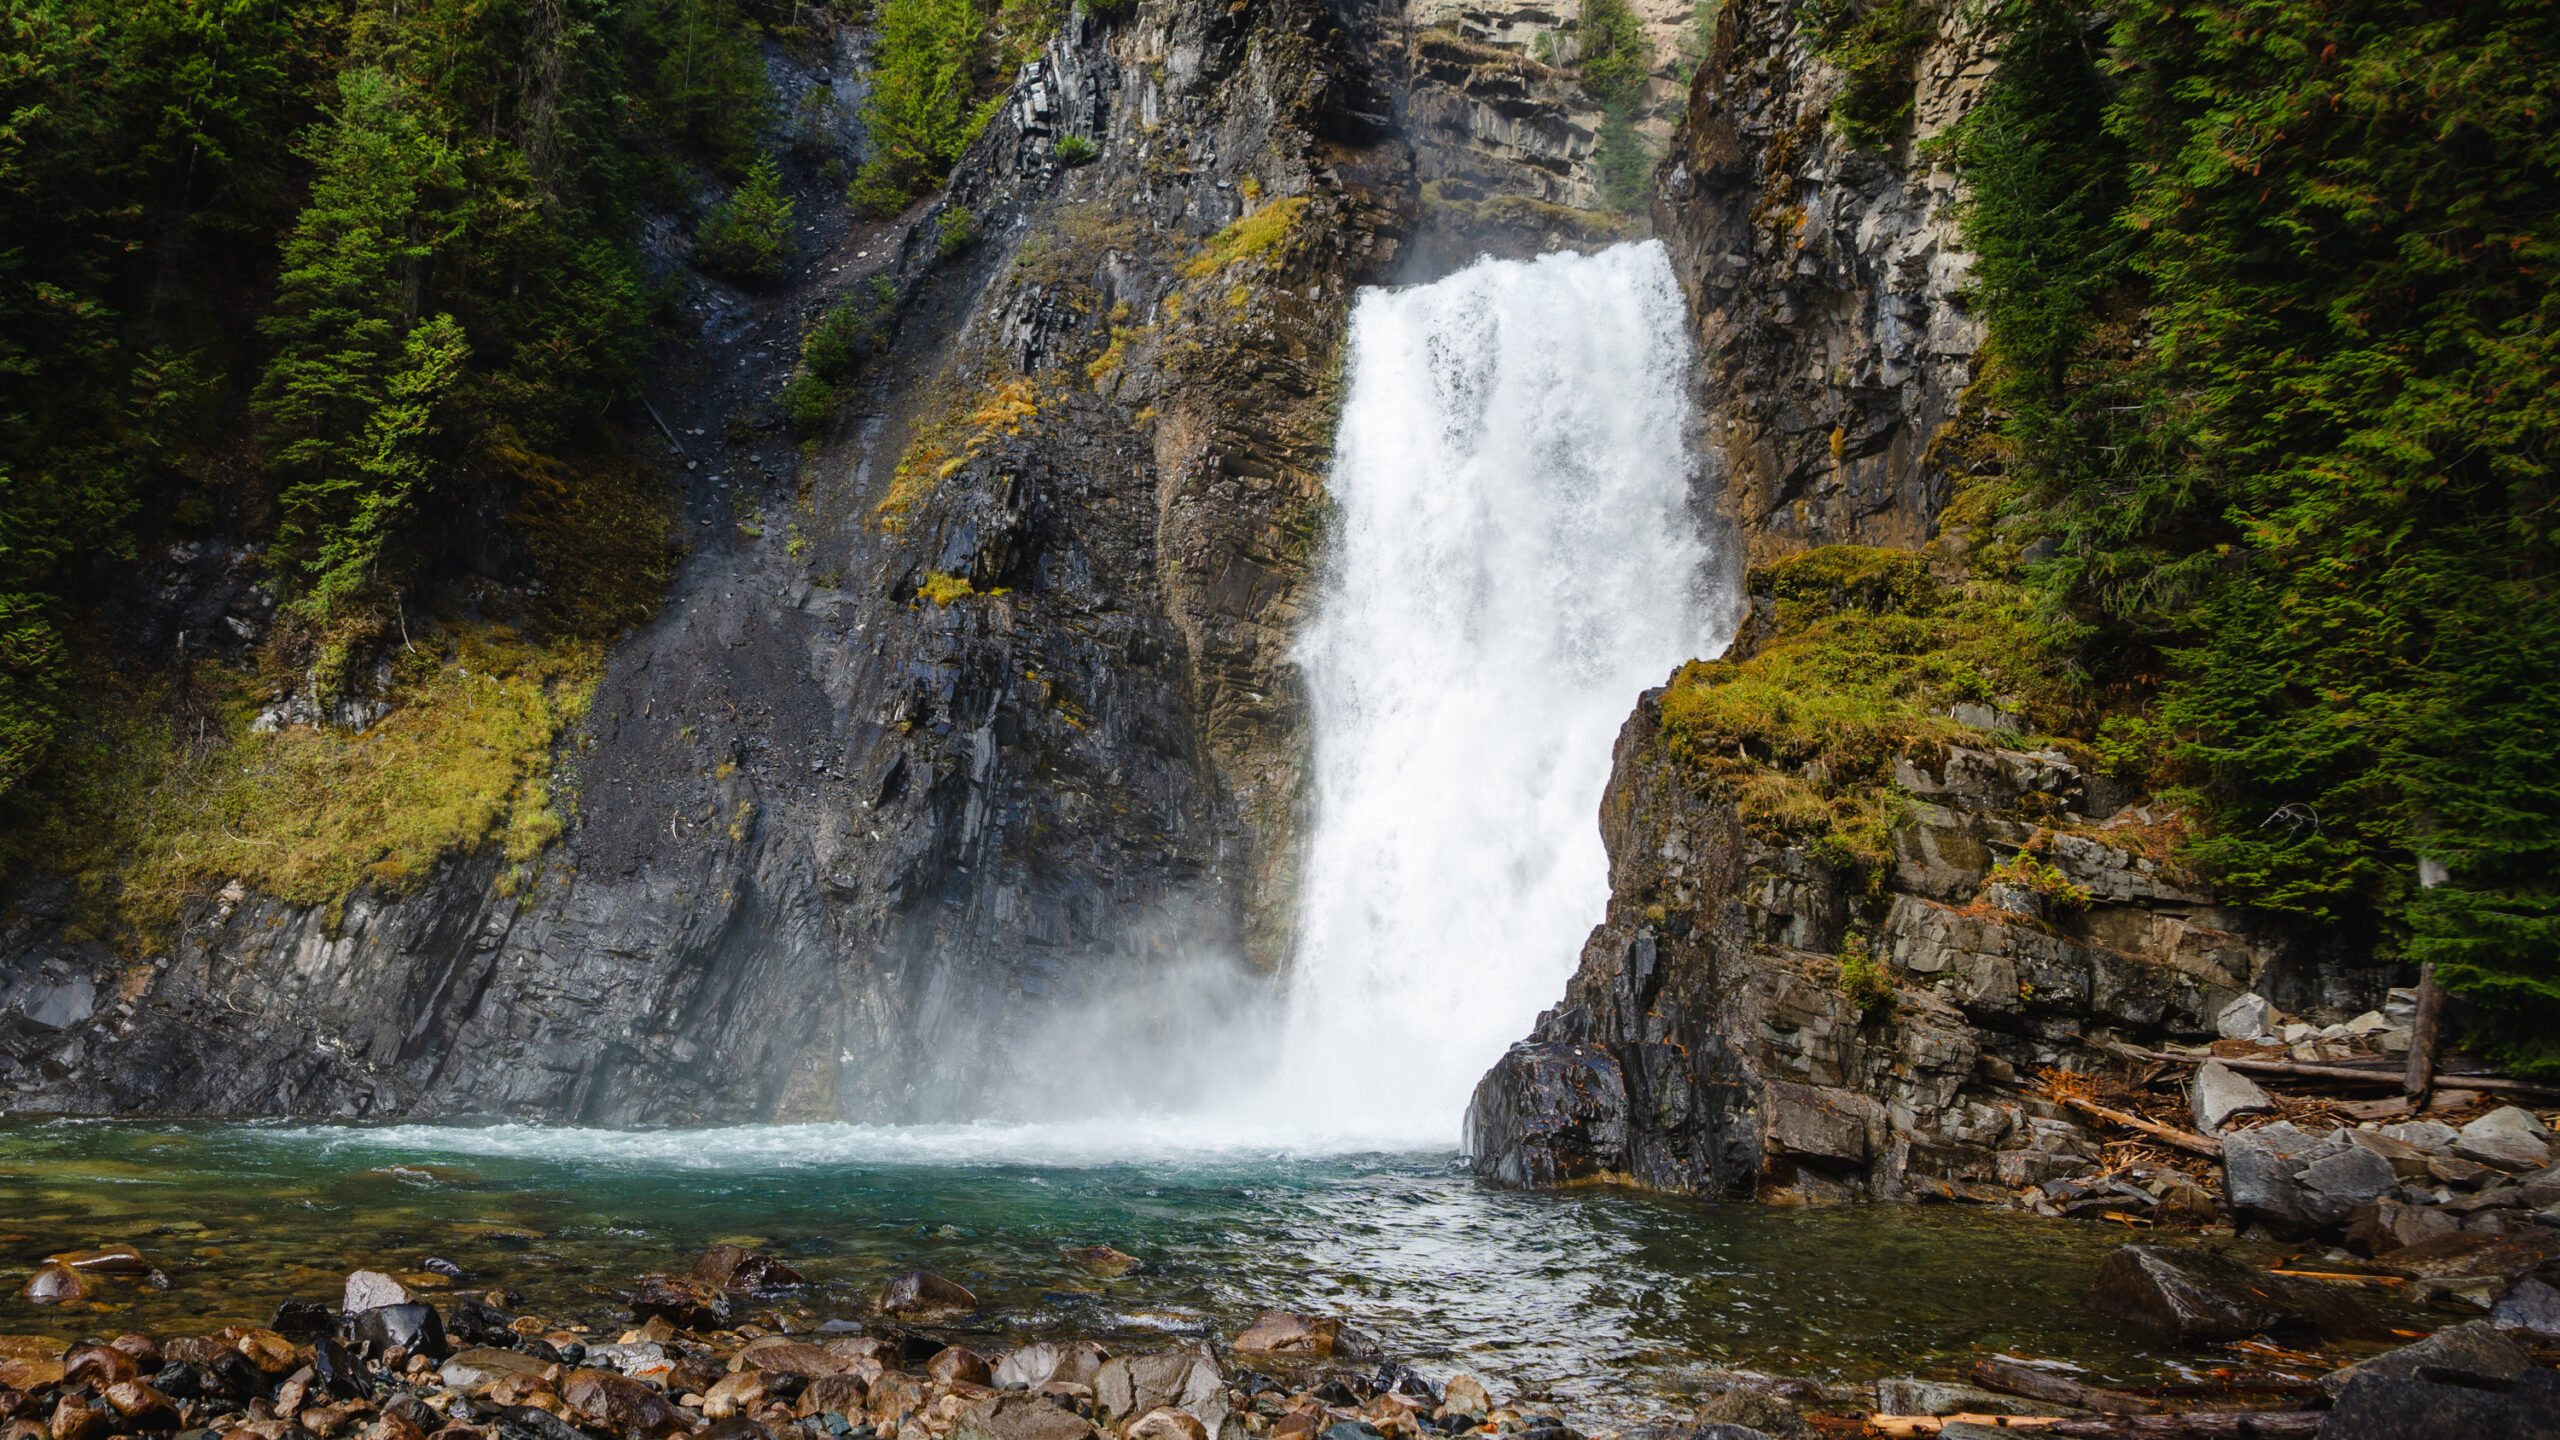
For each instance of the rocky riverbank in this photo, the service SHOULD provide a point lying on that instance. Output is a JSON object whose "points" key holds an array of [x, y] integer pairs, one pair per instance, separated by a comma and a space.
{"points": [[725, 1351]]}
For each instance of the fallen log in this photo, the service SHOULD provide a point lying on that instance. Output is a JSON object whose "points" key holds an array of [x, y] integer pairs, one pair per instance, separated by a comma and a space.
{"points": [[1907, 1425], [2375, 1074], [2184, 1140], [2340, 1278], [2011, 1378]]}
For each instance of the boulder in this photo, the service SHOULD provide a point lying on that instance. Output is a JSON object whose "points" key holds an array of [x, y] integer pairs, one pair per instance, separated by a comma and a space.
{"points": [[2504, 1151], [473, 1371], [2246, 1018], [1135, 1384], [2476, 1352], [1754, 1410], [2195, 1296], [1103, 1259], [2407, 1161], [97, 1364], [2379, 1227], [2387, 1407], [1283, 1332], [141, 1406], [371, 1290], [74, 1418], [734, 1267], [1166, 1425], [620, 1404], [2529, 1306], [1020, 1417], [2333, 1186], [684, 1304], [55, 1284], [2259, 1169], [894, 1396], [1466, 1395], [2433, 1136], [2219, 1093], [2509, 1120], [740, 1393], [414, 1326], [924, 1298], [832, 1395], [958, 1363], [1073, 1362]]}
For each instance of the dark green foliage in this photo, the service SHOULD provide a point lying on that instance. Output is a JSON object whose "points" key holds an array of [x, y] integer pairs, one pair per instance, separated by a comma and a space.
{"points": [[1624, 161], [2282, 343], [851, 331], [1876, 44], [927, 63], [747, 236], [956, 231], [1616, 56], [391, 242], [1077, 150]]}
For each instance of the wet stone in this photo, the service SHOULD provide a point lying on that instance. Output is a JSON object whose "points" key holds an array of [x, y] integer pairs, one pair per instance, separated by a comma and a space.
{"points": [[924, 1298]]}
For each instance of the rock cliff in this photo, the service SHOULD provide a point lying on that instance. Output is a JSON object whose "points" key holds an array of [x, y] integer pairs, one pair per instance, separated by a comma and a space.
{"points": [[965, 721]]}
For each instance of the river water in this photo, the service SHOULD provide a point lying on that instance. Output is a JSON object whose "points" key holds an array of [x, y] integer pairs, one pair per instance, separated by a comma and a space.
{"points": [[1610, 1301]]}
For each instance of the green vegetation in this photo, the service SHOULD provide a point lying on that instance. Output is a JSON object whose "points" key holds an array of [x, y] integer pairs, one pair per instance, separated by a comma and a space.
{"points": [[854, 329], [747, 236], [930, 61], [2272, 296], [2040, 879], [1616, 56], [339, 278], [1253, 234], [1076, 150], [1865, 980], [955, 231], [944, 589], [1859, 653], [1876, 45]]}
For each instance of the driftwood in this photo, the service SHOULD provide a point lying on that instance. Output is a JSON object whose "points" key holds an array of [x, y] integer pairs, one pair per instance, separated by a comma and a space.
{"points": [[2010, 1377], [2204, 1145], [2421, 1077], [2372, 1074], [2192, 1425], [2339, 1278], [1907, 1425]]}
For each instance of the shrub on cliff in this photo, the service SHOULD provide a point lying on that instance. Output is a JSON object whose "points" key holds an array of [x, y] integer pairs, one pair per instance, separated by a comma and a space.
{"points": [[924, 107], [747, 235], [2273, 291]]}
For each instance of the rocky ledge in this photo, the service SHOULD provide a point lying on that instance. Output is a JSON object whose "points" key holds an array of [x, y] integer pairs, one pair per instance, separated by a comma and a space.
{"points": [[387, 1364]]}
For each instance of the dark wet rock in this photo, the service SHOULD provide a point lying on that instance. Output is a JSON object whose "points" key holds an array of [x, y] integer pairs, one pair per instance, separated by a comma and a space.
{"points": [[140, 1406], [1718, 1430], [681, 1303], [1103, 1259], [2468, 1254], [526, 1422], [2218, 1094], [737, 1427], [1754, 1409], [341, 1371], [2532, 1307], [414, 1327], [97, 1364], [303, 1319], [2476, 1354], [2193, 1296], [75, 1418], [960, 1363], [619, 1403], [477, 1322], [2386, 1407], [724, 1267], [924, 1298], [56, 1285]]}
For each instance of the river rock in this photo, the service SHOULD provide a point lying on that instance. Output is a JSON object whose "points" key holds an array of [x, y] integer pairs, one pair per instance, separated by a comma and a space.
{"points": [[2407, 1161], [1466, 1395], [1756, 1410], [2379, 1227], [619, 1403], [894, 1396], [683, 1304], [2469, 1255], [959, 1363], [2260, 1168], [2194, 1296], [1164, 1424], [97, 1364], [2477, 1352], [371, 1290], [2509, 1120], [1103, 1259], [74, 1418], [1283, 1332], [924, 1298], [2245, 1018], [119, 1260], [740, 1392], [1073, 1362], [1020, 1417], [56, 1285], [2433, 1136], [414, 1326], [2220, 1093], [832, 1395], [474, 1371], [734, 1267]]}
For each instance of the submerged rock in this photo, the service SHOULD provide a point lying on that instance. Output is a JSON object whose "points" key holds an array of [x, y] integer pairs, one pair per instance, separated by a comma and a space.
{"points": [[2477, 1354], [924, 1298], [2200, 1296], [724, 1267], [54, 1284]]}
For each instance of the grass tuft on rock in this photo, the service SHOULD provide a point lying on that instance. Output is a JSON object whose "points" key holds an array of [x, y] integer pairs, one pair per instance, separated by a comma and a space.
{"points": [[1252, 235]]}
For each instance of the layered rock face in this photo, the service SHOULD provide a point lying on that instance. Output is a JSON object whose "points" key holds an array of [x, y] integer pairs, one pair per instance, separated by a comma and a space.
{"points": [[979, 730], [1707, 1042], [1828, 285]]}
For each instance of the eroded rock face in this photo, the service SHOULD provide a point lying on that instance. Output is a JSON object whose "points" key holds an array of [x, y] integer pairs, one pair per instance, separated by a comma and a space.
{"points": [[888, 804]]}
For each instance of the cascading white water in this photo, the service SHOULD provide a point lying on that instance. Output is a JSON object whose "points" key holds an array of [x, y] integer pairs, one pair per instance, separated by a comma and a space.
{"points": [[1517, 556]]}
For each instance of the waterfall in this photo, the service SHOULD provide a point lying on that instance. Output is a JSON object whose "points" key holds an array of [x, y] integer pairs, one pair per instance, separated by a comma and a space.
{"points": [[1516, 556]]}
